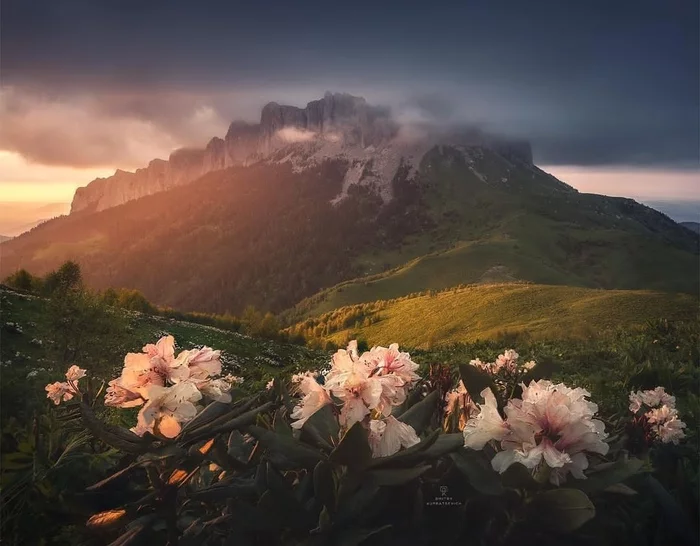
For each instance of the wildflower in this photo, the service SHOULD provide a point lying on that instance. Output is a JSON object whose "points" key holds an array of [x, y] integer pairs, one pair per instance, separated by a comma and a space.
{"points": [[388, 436], [198, 363], [59, 392], [552, 424], [118, 396], [392, 361], [487, 425], [315, 397], [74, 373], [270, 384], [167, 408], [661, 420], [216, 389]]}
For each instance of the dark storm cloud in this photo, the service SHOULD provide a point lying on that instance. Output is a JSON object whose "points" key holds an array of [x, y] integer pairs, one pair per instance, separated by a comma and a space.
{"points": [[589, 83]]}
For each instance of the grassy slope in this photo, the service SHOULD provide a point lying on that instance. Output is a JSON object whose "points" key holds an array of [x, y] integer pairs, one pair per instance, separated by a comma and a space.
{"points": [[530, 229], [254, 359], [543, 312]]}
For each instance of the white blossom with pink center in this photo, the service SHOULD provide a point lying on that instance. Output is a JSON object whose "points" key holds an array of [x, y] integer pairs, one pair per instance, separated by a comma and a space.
{"points": [[167, 409], [551, 424], [367, 386], [661, 414], [388, 436]]}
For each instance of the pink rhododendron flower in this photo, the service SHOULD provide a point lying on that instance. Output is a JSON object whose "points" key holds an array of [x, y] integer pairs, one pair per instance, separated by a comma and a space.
{"points": [[392, 361], [198, 363], [551, 424], [119, 397], [375, 381], [661, 417], [388, 436], [75, 373], [167, 409], [59, 392], [315, 397], [487, 425], [215, 389]]}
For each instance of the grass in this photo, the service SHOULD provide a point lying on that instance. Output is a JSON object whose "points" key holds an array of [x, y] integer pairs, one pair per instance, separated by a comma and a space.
{"points": [[492, 311], [28, 362]]}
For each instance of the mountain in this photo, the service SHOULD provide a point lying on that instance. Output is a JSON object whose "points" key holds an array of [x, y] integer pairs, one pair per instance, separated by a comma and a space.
{"points": [[340, 193], [693, 226], [337, 126], [4, 238]]}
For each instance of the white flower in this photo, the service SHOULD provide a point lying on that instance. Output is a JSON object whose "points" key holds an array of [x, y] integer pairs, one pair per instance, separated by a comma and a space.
{"points": [[671, 431], [392, 361], [388, 436], [198, 363], [74, 373], [167, 408], [551, 424], [487, 425], [216, 389], [315, 397], [118, 396], [662, 415], [59, 392]]}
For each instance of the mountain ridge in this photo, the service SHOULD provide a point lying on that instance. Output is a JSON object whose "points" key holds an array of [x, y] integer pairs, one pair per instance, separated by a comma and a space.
{"points": [[271, 235], [337, 125]]}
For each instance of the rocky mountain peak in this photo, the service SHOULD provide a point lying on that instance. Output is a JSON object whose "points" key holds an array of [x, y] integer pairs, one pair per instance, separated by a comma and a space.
{"points": [[336, 126]]}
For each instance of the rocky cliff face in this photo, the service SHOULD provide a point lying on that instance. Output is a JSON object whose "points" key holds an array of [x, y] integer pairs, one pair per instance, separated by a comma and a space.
{"points": [[337, 126]]}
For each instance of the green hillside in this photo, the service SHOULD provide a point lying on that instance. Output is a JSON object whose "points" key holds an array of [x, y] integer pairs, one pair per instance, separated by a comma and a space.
{"points": [[30, 355], [497, 311], [519, 225], [270, 237]]}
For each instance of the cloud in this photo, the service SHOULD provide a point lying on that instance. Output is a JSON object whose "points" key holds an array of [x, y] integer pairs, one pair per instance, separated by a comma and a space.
{"points": [[293, 134], [107, 130]]}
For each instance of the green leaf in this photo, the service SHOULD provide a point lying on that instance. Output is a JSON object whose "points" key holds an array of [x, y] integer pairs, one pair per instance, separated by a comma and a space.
{"points": [[419, 415], [619, 471], [353, 450], [673, 513], [518, 476], [206, 416], [280, 424], [324, 486], [446, 443], [396, 476], [620, 489], [286, 447], [322, 427], [475, 381], [478, 471], [561, 510]]}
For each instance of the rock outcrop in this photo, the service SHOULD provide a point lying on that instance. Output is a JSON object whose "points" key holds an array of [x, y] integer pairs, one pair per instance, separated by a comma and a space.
{"points": [[337, 126]]}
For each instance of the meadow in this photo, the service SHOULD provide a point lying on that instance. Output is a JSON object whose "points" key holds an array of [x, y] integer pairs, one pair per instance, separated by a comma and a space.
{"points": [[50, 462]]}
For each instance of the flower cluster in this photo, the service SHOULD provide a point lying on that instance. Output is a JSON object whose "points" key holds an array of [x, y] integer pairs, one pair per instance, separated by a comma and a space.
{"points": [[459, 403], [551, 425], [167, 387], [367, 386], [661, 415], [63, 391], [507, 364]]}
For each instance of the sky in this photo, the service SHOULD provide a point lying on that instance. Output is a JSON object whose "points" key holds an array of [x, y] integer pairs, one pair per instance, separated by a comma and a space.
{"points": [[608, 93]]}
